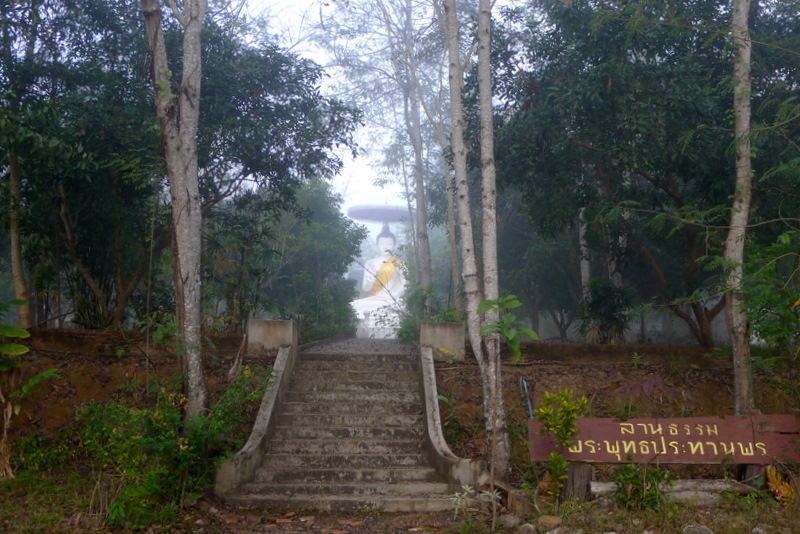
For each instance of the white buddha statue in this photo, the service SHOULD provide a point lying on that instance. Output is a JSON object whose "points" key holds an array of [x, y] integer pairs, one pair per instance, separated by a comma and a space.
{"points": [[384, 284]]}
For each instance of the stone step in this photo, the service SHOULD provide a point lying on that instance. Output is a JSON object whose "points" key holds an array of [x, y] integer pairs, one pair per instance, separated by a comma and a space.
{"points": [[366, 408], [327, 366], [413, 432], [352, 386], [366, 359], [281, 475], [349, 435], [347, 503], [344, 461], [313, 376], [349, 419], [346, 397], [344, 446]]}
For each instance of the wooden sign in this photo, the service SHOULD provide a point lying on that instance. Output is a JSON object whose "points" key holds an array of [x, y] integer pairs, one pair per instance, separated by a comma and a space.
{"points": [[756, 439]]}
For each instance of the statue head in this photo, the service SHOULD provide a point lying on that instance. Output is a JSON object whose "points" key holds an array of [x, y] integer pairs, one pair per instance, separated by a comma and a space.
{"points": [[385, 241]]}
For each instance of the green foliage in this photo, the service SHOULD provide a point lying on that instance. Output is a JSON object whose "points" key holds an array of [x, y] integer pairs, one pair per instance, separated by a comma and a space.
{"points": [[637, 360], [773, 285], [640, 487], [159, 463], [146, 448], [423, 305], [480, 502], [472, 525], [26, 388], [88, 151], [597, 141], [290, 264], [461, 499], [507, 325], [756, 503], [447, 315], [163, 329], [231, 416], [408, 331], [525, 469], [39, 452], [457, 426], [605, 311], [94, 212], [624, 408], [547, 275], [558, 413], [773, 293], [8, 351], [36, 502], [558, 468], [12, 387]]}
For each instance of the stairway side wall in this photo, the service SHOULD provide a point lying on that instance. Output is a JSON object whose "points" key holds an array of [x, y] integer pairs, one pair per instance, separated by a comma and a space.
{"points": [[241, 467], [457, 471]]}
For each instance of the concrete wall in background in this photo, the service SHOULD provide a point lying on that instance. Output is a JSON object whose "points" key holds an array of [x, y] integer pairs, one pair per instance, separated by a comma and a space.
{"points": [[266, 334]]}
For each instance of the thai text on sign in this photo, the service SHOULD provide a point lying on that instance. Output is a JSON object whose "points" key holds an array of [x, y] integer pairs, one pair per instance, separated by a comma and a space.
{"points": [[756, 439]]}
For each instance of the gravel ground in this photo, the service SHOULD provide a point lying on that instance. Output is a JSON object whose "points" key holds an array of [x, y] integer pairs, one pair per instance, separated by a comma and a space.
{"points": [[236, 520]]}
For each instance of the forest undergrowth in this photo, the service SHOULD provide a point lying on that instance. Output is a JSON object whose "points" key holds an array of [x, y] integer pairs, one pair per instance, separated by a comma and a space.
{"points": [[126, 463]]}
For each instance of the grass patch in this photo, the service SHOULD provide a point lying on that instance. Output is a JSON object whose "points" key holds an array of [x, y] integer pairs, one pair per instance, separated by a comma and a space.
{"points": [[128, 465], [41, 501]]}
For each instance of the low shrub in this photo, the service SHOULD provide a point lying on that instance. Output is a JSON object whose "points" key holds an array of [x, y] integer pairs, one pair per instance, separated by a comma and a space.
{"points": [[158, 464], [640, 487]]}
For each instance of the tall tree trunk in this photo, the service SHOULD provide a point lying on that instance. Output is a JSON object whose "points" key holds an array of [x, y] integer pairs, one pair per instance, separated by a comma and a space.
{"points": [[491, 284], [19, 85], [414, 124], [452, 228], [452, 239], [487, 361], [735, 305], [17, 268], [437, 120], [178, 118], [469, 276], [423, 242], [700, 318], [583, 245]]}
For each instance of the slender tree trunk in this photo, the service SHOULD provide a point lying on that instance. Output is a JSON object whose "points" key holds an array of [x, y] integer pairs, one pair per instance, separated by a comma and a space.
{"points": [[583, 244], [414, 124], [735, 305], [488, 363], [423, 242], [437, 120], [469, 276], [501, 461], [452, 228], [488, 170], [178, 116], [452, 239], [699, 320], [17, 268], [19, 86]]}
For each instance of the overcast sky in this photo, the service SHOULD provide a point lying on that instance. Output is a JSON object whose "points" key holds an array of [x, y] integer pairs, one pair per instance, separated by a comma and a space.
{"points": [[291, 21]]}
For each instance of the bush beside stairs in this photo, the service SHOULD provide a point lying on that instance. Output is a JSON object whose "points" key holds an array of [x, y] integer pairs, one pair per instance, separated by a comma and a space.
{"points": [[348, 434]]}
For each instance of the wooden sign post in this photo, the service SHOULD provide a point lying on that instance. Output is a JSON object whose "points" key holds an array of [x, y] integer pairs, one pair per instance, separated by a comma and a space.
{"points": [[753, 439]]}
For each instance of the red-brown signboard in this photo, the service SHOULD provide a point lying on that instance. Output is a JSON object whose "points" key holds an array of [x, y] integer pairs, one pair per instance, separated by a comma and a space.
{"points": [[756, 439]]}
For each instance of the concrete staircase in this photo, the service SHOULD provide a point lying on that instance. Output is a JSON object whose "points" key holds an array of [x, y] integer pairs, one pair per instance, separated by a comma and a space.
{"points": [[349, 434]]}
